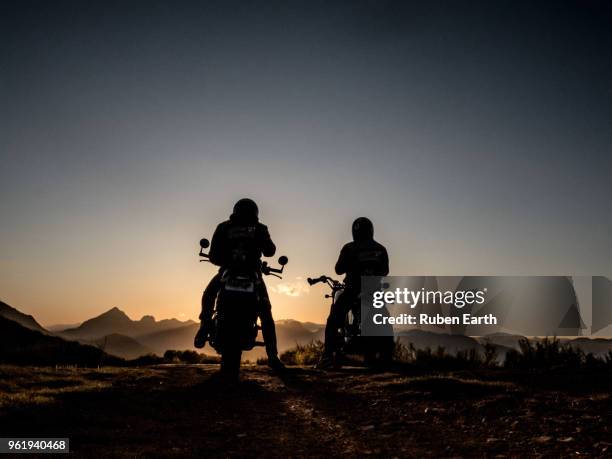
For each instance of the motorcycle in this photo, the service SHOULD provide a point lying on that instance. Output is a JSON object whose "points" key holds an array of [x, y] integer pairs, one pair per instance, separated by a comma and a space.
{"points": [[376, 350], [234, 325]]}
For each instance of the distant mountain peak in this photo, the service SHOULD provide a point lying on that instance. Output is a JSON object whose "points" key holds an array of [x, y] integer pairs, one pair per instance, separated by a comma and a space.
{"points": [[114, 313], [148, 318], [103, 324]]}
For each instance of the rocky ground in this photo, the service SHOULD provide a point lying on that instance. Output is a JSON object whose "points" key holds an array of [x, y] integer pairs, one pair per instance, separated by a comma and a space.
{"points": [[183, 410]]}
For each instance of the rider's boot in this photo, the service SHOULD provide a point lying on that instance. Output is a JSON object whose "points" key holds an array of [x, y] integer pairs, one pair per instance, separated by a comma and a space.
{"points": [[326, 362], [275, 363], [273, 360], [201, 336], [269, 335], [330, 358]]}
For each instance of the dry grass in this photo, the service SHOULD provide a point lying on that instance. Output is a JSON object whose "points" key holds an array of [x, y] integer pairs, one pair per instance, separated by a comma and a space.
{"points": [[21, 386], [186, 411], [308, 354]]}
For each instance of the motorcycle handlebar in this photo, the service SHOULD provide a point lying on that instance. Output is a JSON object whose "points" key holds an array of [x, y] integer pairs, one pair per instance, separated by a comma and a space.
{"points": [[312, 281], [274, 270], [269, 271]]}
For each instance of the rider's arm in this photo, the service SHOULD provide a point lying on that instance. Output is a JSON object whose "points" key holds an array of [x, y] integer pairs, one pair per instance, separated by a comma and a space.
{"points": [[217, 247], [343, 263], [267, 246], [385, 263]]}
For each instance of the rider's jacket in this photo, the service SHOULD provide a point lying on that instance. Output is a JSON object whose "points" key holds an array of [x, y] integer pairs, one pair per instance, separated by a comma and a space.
{"points": [[240, 242], [362, 258]]}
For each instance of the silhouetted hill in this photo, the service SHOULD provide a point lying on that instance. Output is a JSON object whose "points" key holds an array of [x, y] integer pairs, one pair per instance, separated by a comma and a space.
{"points": [[422, 339], [180, 338], [503, 339], [289, 333], [596, 346], [22, 346], [115, 321], [313, 327], [58, 328], [122, 346], [10, 313]]}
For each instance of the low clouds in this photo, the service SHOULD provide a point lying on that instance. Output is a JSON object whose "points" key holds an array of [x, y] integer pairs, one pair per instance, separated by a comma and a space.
{"points": [[296, 288]]}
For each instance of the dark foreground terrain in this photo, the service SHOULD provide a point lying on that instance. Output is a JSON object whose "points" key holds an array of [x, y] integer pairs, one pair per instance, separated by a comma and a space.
{"points": [[186, 410]]}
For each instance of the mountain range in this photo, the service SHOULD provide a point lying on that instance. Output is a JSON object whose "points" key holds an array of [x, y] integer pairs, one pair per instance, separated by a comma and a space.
{"points": [[288, 334], [23, 345], [114, 333], [115, 321]]}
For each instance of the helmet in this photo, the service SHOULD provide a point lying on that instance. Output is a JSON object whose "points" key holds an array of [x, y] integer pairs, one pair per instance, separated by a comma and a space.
{"points": [[363, 229], [246, 210]]}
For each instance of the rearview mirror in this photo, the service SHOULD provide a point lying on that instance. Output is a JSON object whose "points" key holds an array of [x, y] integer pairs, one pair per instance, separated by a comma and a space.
{"points": [[283, 260], [204, 243]]}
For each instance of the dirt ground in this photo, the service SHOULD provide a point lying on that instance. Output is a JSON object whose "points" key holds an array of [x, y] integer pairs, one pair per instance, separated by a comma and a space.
{"points": [[183, 410]]}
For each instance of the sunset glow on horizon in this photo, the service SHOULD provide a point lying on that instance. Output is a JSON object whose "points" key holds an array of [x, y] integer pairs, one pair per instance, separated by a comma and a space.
{"points": [[476, 147]]}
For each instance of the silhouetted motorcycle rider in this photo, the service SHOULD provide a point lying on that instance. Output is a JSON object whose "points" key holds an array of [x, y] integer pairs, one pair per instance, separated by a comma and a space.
{"points": [[242, 234], [363, 256]]}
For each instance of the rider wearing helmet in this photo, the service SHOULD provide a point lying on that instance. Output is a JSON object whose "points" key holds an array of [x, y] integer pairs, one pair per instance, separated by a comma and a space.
{"points": [[245, 237], [364, 256]]}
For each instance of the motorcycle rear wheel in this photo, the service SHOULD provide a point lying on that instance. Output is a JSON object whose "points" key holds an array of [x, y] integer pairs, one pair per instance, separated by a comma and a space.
{"points": [[230, 362]]}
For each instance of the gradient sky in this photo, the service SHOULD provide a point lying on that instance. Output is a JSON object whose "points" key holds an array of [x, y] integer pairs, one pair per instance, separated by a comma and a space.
{"points": [[476, 135]]}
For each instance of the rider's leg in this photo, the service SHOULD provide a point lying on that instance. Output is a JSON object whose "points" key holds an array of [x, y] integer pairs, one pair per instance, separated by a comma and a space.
{"points": [[335, 321], [209, 297], [268, 329], [208, 306]]}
